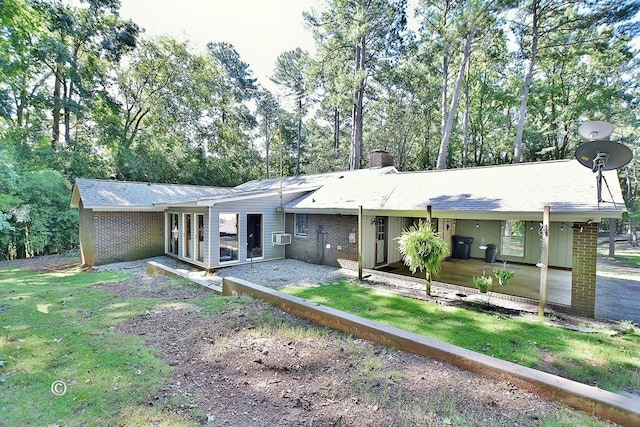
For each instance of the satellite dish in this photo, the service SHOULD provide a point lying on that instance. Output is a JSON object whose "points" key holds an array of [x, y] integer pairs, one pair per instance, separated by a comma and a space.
{"points": [[595, 131], [600, 155], [608, 154]]}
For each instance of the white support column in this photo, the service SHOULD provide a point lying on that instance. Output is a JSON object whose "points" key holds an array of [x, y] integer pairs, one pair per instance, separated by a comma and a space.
{"points": [[544, 259], [360, 245]]}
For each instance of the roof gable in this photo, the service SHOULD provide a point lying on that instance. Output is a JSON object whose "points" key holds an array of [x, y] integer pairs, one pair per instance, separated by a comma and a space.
{"points": [[105, 194]]}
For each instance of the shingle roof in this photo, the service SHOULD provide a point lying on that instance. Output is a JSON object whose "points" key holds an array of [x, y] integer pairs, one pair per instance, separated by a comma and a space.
{"points": [[312, 181], [105, 194], [565, 186]]}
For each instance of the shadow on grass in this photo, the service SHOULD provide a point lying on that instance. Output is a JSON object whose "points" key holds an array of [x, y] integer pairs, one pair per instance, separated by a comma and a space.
{"points": [[608, 362], [56, 327]]}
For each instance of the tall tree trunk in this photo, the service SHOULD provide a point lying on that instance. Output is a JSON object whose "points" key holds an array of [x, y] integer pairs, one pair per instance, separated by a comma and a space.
{"points": [[21, 102], [336, 128], [446, 134], [267, 143], [612, 237], [299, 136], [444, 101], [467, 107], [517, 151], [631, 203], [355, 156], [57, 104], [68, 94]]}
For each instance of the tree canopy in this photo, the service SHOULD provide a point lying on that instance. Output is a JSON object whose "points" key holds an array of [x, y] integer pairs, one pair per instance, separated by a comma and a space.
{"points": [[453, 83]]}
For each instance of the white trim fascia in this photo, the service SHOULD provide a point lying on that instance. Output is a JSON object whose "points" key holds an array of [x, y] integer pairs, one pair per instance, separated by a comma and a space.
{"points": [[103, 208], [240, 197], [575, 216]]}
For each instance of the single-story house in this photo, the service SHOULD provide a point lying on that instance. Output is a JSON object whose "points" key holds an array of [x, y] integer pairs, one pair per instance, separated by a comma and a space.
{"points": [[321, 218]]}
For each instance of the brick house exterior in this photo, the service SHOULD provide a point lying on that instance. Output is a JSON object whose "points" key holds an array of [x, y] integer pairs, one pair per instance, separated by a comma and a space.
{"points": [[583, 278], [107, 237], [127, 220], [327, 241]]}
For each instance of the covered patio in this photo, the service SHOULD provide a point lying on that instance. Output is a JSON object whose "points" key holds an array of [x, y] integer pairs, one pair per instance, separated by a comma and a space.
{"points": [[526, 282]]}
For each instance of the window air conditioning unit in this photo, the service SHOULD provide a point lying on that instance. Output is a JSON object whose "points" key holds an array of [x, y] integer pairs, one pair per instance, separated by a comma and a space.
{"points": [[280, 239]]}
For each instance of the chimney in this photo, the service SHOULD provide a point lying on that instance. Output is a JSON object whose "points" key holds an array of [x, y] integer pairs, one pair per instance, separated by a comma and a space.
{"points": [[380, 159]]}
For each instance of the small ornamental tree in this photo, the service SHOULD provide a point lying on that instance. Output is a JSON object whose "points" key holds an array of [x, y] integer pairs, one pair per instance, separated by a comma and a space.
{"points": [[422, 249]]}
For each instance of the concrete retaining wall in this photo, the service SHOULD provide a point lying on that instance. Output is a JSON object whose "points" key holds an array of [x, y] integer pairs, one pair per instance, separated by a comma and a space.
{"points": [[601, 403], [155, 268]]}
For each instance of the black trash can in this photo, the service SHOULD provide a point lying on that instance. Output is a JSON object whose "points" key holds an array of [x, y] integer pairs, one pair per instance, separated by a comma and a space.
{"points": [[461, 247], [490, 253]]}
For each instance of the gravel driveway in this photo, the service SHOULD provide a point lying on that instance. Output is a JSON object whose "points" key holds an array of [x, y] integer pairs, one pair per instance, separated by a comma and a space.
{"points": [[617, 292]]}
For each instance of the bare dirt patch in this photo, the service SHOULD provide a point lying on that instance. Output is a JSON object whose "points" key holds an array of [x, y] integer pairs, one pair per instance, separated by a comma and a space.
{"points": [[254, 365], [45, 263], [151, 287]]}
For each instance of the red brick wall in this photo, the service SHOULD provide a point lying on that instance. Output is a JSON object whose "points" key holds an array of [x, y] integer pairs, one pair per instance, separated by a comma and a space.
{"points": [[332, 230], [380, 158], [583, 277], [124, 236]]}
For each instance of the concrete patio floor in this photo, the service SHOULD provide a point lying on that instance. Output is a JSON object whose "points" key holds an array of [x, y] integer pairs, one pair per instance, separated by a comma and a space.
{"points": [[617, 289], [526, 282]]}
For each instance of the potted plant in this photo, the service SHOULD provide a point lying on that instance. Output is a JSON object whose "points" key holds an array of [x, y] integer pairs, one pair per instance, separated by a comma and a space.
{"points": [[483, 283], [422, 249], [504, 275]]}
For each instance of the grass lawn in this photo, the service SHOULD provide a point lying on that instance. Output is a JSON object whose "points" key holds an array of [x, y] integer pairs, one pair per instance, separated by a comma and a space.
{"points": [[62, 363], [626, 256], [599, 359]]}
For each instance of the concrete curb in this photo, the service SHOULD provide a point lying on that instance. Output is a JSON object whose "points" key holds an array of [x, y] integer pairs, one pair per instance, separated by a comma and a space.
{"points": [[154, 268], [601, 403]]}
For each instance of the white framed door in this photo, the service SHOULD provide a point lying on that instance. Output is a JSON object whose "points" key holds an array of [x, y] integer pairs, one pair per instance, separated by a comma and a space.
{"points": [[381, 240]]}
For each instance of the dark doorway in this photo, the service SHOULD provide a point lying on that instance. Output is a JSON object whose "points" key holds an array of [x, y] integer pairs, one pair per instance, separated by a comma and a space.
{"points": [[254, 235]]}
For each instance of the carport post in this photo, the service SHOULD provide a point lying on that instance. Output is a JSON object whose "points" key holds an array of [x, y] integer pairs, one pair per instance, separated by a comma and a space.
{"points": [[360, 242], [544, 259]]}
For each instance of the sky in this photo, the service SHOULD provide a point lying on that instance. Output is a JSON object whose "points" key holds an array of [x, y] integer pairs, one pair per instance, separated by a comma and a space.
{"points": [[259, 30]]}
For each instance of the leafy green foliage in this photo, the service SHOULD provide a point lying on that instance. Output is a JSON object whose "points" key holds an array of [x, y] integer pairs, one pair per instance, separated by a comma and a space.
{"points": [[483, 283], [422, 249], [39, 218], [70, 103]]}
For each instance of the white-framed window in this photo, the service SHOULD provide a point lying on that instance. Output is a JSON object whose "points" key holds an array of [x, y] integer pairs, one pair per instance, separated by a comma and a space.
{"points": [[228, 237], [200, 232], [187, 239], [301, 225], [174, 233], [513, 238]]}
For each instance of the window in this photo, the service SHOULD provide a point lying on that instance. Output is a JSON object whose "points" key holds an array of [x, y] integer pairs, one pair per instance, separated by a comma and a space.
{"points": [[228, 237], [200, 244], [187, 235], [174, 233], [513, 238], [301, 225], [254, 235]]}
